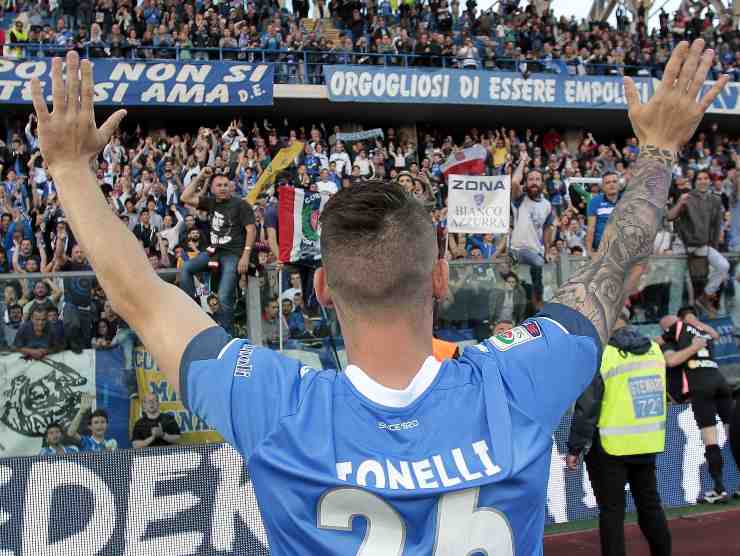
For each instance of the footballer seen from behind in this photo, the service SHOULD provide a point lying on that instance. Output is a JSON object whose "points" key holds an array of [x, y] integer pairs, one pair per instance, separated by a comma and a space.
{"points": [[400, 454]]}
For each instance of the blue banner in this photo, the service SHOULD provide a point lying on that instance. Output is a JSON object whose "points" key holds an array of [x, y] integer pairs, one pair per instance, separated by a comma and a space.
{"points": [[727, 102], [113, 390], [160, 83], [443, 86]]}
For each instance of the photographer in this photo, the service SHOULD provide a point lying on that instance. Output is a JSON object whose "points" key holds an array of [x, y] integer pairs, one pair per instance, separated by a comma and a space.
{"points": [[232, 234]]}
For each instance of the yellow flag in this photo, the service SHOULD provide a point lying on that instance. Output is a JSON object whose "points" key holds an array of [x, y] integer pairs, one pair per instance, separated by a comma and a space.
{"points": [[282, 160]]}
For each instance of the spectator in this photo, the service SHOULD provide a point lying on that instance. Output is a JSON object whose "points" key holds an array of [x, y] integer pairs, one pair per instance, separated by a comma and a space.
{"points": [[54, 446], [232, 234], [293, 287], [45, 295], [532, 232], [327, 187], [296, 321], [600, 209], [341, 160], [35, 339], [501, 326], [103, 335], [575, 235], [96, 440], [77, 312], [468, 56], [144, 231], [57, 326], [13, 323], [270, 322], [509, 302], [154, 429], [699, 216]]}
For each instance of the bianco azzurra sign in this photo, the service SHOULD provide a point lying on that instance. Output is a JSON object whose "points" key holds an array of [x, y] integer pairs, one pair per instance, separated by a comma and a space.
{"points": [[478, 204]]}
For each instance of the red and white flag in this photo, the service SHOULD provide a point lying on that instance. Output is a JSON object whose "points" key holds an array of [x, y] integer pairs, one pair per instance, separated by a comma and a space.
{"points": [[467, 162]]}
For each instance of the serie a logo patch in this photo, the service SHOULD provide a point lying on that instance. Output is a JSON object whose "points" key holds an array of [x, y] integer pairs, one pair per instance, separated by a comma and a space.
{"points": [[525, 332]]}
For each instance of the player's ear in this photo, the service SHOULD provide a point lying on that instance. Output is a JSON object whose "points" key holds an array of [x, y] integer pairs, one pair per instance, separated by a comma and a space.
{"points": [[440, 279], [322, 288]]}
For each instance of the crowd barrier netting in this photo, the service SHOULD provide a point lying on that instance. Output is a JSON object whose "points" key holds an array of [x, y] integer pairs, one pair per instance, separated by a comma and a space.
{"points": [[199, 499]]}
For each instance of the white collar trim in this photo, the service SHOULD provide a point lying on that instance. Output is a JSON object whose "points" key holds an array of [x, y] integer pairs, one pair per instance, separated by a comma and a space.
{"points": [[390, 397]]}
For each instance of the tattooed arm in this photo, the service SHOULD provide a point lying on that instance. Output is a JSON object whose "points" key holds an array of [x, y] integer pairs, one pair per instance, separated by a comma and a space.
{"points": [[598, 290], [662, 126]]}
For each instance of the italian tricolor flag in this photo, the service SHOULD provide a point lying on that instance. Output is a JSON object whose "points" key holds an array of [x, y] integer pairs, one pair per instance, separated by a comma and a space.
{"points": [[298, 224], [467, 162]]}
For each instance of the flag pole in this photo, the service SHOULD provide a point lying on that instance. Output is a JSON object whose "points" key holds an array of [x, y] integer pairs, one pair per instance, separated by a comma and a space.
{"points": [[280, 307]]}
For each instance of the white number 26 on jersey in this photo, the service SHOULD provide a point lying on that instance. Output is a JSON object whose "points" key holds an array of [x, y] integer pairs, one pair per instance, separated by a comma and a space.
{"points": [[462, 527]]}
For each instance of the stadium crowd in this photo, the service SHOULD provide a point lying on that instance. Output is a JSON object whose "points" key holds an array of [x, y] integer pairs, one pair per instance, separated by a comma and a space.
{"points": [[435, 33], [565, 184]]}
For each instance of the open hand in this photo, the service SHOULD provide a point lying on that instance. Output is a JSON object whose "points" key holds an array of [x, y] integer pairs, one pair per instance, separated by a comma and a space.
{"points": [[671, 116], [69, 136]]}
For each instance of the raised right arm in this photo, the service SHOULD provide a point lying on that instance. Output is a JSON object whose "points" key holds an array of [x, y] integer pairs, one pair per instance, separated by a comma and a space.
{"points": [[161, 314], [191, 195]]}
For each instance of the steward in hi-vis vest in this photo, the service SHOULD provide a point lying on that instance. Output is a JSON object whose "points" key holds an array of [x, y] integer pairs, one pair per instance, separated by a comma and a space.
{"points": [[619, 425], [633, 409]]}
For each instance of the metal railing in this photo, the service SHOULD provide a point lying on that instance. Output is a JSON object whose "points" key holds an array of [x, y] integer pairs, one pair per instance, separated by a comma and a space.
{"points": [[477, 288], [305, 65]]}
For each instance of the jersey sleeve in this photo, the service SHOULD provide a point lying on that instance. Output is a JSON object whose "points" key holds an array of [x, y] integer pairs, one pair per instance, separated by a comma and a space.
{"points": [[246, 214], [547, 362], [239, 389], [592, 208]]}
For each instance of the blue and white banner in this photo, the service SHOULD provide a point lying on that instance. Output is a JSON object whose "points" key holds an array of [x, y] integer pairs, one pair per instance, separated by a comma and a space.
{"points": [[360, 135], [160, 83], [452, 86], [728, 101]]}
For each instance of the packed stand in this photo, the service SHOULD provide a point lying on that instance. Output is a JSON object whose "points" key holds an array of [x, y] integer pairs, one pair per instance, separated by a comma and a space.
{"points": [[564, 188], [166, 187], [435, 33]]}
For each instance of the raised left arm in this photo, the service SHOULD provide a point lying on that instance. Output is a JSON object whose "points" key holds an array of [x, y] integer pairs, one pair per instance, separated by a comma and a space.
{"points": [[663, 125]]}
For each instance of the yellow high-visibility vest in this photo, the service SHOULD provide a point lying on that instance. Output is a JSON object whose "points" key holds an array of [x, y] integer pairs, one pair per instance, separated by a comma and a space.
{"points": [[633, 410]]}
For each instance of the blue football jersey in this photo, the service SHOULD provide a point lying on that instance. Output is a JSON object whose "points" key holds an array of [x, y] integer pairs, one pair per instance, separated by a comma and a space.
{"points": [[89, 444], [455, 464]]}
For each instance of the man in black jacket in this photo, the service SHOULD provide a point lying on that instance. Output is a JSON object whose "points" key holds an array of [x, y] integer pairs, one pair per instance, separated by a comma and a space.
{"points": [[699, 217], [609, 473]]}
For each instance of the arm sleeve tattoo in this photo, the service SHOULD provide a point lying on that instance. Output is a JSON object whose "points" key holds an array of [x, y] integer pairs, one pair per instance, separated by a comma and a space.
{"points": [[598, 290]]}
